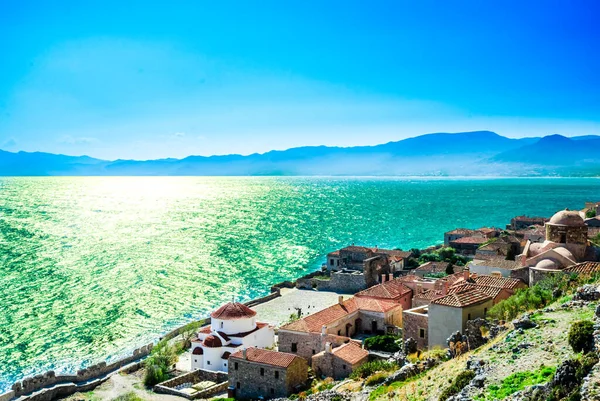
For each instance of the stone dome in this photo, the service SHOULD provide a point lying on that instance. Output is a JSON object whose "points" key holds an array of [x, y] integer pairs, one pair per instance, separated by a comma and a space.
{"points": [[212, 342], [567, 218], [546, 264], [233, 310]]}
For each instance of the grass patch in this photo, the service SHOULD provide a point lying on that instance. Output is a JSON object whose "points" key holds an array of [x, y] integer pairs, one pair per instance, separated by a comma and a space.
{"points": [[376, 378], [367, 369], [131, 396], [458, 384], [383, 390], [518, 381]]}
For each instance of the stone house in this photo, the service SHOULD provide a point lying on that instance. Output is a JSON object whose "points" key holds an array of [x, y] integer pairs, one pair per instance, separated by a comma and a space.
{"points": [[497, 294], [429, 268], [494, 266], [354, 257], [232, 327], [449, 314], [338, 323], [415, 325], [256, 373], [522, 222], [458, 233], [507, 246], [392, 290], [339, 362], [468, 245]]}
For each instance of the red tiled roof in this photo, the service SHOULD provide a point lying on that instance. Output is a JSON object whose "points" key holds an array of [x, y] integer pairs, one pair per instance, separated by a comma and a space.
{"points": [[461, 231], [491, 291], [223, 335], [584, 268], [460, 300], [500, 263], [212, 342], [350, 352], [313, 323], [388, 290], [198, 351], [334, 253], [266, 357], [428, 295], [470, 240], [355, 248], [226, 355], [233, 310], [500, 282]]}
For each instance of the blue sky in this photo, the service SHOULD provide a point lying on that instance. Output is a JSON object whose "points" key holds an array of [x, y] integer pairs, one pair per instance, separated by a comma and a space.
{"points": [[150, 80]]}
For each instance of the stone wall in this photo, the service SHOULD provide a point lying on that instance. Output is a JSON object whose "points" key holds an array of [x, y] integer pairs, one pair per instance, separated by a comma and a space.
{"points": [[30, 385], [197, 376], [7, 395], [522, 274], [348, 283], [274, 382], [412, 322], [326, 364], [307, 344]]}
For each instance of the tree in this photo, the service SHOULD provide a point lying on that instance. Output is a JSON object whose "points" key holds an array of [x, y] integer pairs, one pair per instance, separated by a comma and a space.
{"points": [[581, 336], [159, 363], [450, 269], [590, 213]]}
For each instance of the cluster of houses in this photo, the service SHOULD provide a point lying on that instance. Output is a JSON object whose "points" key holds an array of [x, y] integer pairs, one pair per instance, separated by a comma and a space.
{"points": [[423, 303]]}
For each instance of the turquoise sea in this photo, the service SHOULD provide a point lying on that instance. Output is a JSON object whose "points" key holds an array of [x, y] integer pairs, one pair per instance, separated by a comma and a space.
{"points": [[93, 267]]}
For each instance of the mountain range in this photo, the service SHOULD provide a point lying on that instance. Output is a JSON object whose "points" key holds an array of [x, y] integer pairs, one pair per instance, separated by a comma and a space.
{"points": [[479, 153]]}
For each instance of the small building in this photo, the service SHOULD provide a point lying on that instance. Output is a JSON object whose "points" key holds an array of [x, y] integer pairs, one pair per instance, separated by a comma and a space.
{"points": [[468, 245], [336, 324], [392, 290], [256, 373], [494, 266], [455, 234], [450, 313], [521, 222], [432, 268], [339, 362], [508, 283], [497, 294], [232, 327], [415, 325], [507, 247]]}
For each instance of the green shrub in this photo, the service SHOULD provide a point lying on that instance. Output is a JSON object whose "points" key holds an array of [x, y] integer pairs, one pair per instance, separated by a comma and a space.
{"points": [[386, 343], [590, 214], [524, 300], [458, 384], [518, 381], [581, 336], [367, 369], [159, 363], [376, 378]]}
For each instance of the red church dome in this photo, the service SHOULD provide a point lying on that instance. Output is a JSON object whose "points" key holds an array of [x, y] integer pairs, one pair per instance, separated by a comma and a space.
{"points": [[233, 310], [212, 342]]}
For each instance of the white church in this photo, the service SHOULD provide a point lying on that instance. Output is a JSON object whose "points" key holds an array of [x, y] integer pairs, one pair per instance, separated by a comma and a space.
{"points": [[233, 327]]}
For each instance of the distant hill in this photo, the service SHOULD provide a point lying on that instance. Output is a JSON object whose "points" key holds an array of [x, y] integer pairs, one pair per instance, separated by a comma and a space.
{"points": [[481, 153]]}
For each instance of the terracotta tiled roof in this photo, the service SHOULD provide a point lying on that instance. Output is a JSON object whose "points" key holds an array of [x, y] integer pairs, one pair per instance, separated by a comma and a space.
{"points": [[470, 240], [584, 268], [500, 263], [392, 252], [266, 357], [491, 291], [429, 295], [389, 290], [500, 282], [233, 310], [212, 342], [334, 253], [460, 300], [198, 351], [226, 355], [433, 267], [313, 323], [355, 248], [205, 330], [453, 279], [350, 352]]}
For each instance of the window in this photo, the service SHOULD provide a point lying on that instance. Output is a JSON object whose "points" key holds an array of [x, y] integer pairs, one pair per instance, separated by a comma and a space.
{"points": [[235, 366], [221, 324], [344, 367], [262, 371], [563, 238], [421, 333], [272, 391], [331, 262], [224, 365], [195, 360], [238, 385], [339, 332], [484, 311], [208, 362], [294, 347], [469, 316], [277, 374]]}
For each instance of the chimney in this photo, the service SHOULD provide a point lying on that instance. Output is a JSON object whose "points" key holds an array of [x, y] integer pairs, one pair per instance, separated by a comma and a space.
{"points": [[323, 330], [328, 348], [383, 277], [419, 288], [390, 276], [340, 299], [244, 353], [466, 273], [445, 287]]}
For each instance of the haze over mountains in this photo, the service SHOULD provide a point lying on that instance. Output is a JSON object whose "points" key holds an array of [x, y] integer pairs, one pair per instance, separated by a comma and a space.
{"points": [[480, 153]]}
